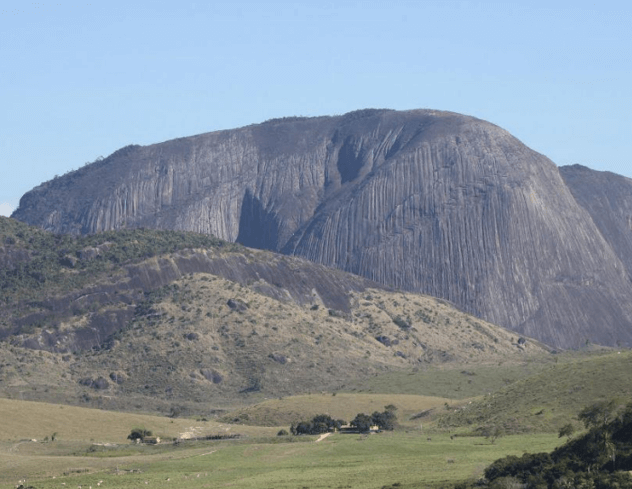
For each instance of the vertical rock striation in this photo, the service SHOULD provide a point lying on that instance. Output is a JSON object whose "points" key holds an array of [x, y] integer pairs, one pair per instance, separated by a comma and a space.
{"points": [[608, 199], [428, 201]]}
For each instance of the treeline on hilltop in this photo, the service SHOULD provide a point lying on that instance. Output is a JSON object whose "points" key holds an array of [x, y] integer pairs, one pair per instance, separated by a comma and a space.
{"points": [[37, 259], [599, 459]]}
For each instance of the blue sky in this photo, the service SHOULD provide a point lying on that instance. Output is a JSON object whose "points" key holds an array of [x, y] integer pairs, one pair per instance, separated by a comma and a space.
{"points": [[79, 80]]}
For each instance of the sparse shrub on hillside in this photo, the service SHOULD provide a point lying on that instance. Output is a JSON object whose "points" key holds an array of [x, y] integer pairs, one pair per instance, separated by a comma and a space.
{"points": [[237, 305], [118, 377], [212, 375], [423, 316], [100, 383], [277, 357], [402, 323], [255, 386], [175, 411], [336, 314], [492, 432]]}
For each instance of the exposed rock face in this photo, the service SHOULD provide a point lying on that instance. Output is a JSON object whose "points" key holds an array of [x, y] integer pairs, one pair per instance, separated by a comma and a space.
{"points": [[427, 201], [293, 281], [608, 199]]}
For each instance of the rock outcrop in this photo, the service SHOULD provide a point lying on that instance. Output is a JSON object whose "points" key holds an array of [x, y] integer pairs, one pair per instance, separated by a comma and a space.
{"points": [[608, 199], [427, 201]]}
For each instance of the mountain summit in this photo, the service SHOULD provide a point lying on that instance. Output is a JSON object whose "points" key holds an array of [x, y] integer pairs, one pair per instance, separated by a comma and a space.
{"points": [[422, 200]]}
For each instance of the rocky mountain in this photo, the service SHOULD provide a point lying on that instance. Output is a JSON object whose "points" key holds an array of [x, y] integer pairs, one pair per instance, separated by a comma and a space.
{"points": [[426, 201], [608, 199]]}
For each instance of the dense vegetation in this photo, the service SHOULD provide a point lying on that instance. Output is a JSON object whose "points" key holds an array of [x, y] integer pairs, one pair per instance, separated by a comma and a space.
{"points": [[601, 458], [36, 260], [322, 423]]}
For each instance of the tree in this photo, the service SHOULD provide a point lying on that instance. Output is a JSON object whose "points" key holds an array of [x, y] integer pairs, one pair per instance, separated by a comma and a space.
{"points": [[385, 420], [492, 432], [599, 419], [303, 428], [139, 434], [599, 414], [567, 430], [363, 422]]}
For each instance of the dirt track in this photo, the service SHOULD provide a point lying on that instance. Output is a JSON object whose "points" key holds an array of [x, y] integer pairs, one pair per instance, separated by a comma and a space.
{"points": [[322, 437]]}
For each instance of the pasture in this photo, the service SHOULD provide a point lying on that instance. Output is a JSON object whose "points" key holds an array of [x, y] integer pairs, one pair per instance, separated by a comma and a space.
{"points": [[259, 459]]}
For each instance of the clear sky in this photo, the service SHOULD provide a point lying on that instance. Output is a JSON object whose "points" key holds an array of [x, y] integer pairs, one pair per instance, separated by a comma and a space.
{"points": [[79, 80]]}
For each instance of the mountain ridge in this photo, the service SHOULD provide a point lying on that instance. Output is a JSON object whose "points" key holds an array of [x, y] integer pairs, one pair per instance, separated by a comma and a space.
{"points": [[427, 201]]}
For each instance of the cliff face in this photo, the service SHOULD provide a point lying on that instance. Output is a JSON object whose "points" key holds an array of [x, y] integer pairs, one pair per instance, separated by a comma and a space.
{"points": [[608, 199], [427, 201]]}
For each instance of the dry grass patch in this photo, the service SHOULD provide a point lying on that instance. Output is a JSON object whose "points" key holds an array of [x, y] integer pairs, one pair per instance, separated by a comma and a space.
{"points": [[35, 420], [285, 411]]}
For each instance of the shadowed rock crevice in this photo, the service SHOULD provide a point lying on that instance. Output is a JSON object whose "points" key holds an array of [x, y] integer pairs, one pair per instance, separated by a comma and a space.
{"points": [[350, 161], [258, 228]]}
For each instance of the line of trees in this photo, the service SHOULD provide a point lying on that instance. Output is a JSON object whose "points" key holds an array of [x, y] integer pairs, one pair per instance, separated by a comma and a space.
{"points": [[323, 423], [384, 420]]}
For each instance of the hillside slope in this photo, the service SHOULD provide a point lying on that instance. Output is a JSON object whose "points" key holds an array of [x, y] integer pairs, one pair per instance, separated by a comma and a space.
{"points": [[426, 201], [162, 320], [550, 399]]}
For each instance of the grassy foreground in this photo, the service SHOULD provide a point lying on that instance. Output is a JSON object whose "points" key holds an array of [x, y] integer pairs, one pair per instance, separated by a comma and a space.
{"points": [[91, 446], [339, 461]]}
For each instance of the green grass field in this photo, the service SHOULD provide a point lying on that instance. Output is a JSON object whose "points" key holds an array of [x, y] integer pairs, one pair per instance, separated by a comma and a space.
{"points": [[347, 461], [91, 445]]}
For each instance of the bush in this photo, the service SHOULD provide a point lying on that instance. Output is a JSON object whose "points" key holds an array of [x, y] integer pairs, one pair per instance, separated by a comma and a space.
{"points": [[566, 430], [139, 434], [492, 432], [402, 323]]}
